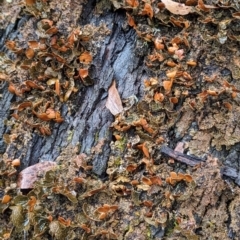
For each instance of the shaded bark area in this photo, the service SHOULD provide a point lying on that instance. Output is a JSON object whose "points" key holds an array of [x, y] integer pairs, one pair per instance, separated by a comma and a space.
{"points": [[87, 120]]}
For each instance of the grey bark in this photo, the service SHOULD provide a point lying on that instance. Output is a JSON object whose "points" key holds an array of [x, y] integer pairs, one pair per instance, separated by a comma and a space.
{"points": [[90, 121]]}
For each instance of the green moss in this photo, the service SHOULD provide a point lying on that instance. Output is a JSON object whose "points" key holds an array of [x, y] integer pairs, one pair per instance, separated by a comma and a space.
{"points": [[121, 144], [117, 162], [70, 135]]}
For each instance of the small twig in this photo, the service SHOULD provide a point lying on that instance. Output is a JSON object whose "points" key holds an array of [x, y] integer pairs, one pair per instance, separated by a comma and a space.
{"points": [[181, 157]]}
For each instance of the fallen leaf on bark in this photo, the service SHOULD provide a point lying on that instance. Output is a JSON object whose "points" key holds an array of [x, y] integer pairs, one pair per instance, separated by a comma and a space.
{"points": [[114, 103], [177, 8], [30, 175]]}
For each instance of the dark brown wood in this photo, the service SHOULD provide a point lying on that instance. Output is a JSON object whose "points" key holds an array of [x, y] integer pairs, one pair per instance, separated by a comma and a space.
{"points": [[181, 157]]}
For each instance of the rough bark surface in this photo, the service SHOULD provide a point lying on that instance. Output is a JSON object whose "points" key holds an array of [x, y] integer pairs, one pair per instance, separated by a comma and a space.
{"points": [[89, 120], [87, 127]]}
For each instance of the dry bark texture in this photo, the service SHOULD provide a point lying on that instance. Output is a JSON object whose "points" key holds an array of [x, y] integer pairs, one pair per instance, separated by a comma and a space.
{"points": [[154, 196], [88, 122]]}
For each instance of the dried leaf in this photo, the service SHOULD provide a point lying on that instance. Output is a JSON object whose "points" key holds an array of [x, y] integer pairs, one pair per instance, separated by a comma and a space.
{"points": [[158, 42], [131, 167], [52, 30], [145, 150], [85, 228], [188, 178], [104, 209], [31, 203], [147, 181], [173, 100], [30, 2], [11, 45], [158, 97], [132, 3], [148, 203], [16, 162], [64, 222], [102, 216], [192, 63], [205, 7], [33, 44], [147, 10], [79, 180], [3, 76], [83, 73], [85, 57], [177, 8], [6, 199], [29, 53], [131, 21], [114, 103], [24, 105], [227, 105], [171, 74], [30, 175], [156, 180], [236, 15], [167, 85], [32, 84]]}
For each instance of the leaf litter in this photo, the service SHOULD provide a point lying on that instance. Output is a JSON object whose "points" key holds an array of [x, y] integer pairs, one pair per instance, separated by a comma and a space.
{"points": [[146, 196]]}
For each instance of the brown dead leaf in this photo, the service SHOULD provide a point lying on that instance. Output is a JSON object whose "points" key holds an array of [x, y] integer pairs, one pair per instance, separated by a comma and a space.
{"points": [[145, 150], [31, 203], [29, 53], [158, 43], [6, 199], [146, 181], [85, 57], [167, 85], [177, 8], [83, 73], [205, 7], [158, 97], [114, 103], [147, 10], [132, 3], [236, 15], [30, 2], [65, 222], [131, 21], [131, 167]]}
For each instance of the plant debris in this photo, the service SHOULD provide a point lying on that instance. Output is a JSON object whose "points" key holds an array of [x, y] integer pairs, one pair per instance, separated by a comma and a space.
{"points": [[186, 100]]}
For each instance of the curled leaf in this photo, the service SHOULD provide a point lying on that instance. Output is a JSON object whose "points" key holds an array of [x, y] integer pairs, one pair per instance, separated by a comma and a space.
{"points": [[29, 53], [6, 199], [83, 73], [85, 57], [147, 10], [30, 2], [167, 85], [16, 162], [177, 8], [132, 3], [131, 167]]}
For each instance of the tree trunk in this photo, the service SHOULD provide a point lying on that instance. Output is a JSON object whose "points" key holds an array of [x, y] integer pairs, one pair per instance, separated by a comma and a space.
{"points": [[87, 130]]}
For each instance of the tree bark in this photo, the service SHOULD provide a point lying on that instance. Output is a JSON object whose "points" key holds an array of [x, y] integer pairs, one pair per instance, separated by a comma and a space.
{"points": [[89, 123]]}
